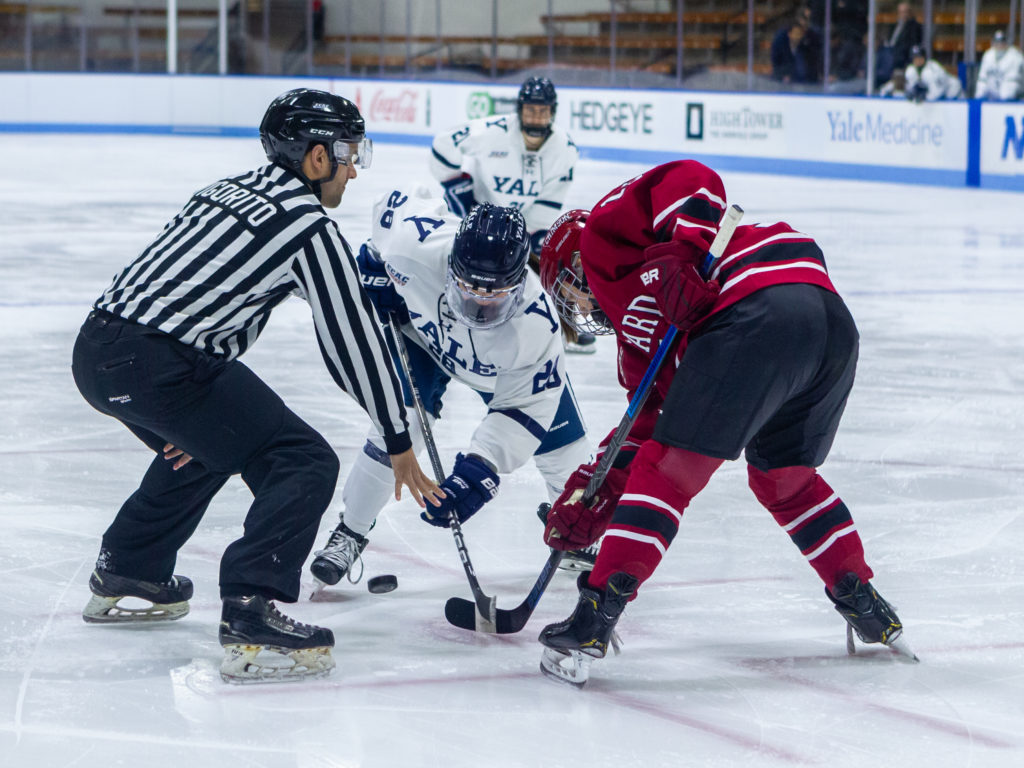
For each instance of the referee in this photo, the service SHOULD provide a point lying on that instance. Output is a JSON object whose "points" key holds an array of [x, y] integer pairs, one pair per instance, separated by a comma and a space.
{"points": [[159, 352]]}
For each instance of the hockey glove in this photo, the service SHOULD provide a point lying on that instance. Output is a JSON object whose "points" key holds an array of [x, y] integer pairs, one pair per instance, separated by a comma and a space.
{"points": [[458, 193], [570, 524], [378, 285], [471, 484], [683, 296]]}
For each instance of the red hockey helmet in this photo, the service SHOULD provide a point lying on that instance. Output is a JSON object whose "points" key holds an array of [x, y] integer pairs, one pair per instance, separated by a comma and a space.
{"points": [[561, 274]]}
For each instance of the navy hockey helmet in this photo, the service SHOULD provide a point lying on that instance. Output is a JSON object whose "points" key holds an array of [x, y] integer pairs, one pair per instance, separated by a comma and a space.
{"points": [[917, 52], [537, 90], [487, 266], [301, 118]]}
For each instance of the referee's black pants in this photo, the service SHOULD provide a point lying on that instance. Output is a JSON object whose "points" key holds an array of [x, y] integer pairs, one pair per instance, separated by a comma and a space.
{"points": [[230, 422]]}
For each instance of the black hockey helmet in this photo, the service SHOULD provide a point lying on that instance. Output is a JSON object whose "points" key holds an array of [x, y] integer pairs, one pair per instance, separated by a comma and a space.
{"points": [[301, 118], [536, 90], [487, 266]]}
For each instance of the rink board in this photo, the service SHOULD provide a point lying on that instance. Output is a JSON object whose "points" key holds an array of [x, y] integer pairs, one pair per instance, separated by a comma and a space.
{"points": [[944, 143]]}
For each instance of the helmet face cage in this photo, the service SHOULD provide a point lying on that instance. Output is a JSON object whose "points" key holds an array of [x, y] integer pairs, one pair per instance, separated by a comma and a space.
{"points": [[487, 266], [541, 91], [561, 274], [567, 288], [479, 308]]}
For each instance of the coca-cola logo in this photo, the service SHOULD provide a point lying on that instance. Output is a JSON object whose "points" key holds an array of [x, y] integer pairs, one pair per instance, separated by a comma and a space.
{"points": [[400, 108]]}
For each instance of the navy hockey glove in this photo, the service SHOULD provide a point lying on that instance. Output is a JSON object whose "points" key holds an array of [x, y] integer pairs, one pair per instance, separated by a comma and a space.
{"points": [[683, 296], [458, 193], [378, 285], [471, 484]]}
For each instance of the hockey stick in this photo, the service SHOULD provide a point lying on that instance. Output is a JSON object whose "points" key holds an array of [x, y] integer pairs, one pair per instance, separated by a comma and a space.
{"points": [[486, 605], [459, 611]]}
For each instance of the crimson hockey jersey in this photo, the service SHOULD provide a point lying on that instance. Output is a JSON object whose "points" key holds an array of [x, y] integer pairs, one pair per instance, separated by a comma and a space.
{"points": [[684, 201]]}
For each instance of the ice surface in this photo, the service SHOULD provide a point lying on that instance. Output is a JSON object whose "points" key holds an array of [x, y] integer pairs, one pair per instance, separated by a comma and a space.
{"points": [[733, 656]]}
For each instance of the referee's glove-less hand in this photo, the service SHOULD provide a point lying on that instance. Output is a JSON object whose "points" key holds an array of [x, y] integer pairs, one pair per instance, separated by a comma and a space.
{"points": [[683, 296], [378, 285], [471, 484], [570, 524], [458, 193]]}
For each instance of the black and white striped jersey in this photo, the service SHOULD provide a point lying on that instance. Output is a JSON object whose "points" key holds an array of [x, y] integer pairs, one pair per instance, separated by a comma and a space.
{"points": [[236, 250]]}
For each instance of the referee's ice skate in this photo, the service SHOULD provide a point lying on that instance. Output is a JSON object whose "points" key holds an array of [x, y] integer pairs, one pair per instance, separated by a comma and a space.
{"points": [[262, 645], [338, 559], [168, 600]]}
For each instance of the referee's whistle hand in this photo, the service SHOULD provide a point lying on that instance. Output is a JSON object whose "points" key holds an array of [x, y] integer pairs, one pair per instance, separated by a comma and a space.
{"points": [[170, 452], [409, 473]]}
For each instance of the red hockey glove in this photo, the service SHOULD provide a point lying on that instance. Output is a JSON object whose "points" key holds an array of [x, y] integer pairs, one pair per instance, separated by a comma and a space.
{"points": [[571, 525], [683, 296]]}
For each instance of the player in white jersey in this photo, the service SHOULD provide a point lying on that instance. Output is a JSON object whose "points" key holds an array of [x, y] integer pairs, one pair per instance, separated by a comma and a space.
{"points": [[520, 160], [472, 311]]}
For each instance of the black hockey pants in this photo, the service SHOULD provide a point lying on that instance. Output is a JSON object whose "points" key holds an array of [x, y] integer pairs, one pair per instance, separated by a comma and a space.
{"points": [[230, 422]]}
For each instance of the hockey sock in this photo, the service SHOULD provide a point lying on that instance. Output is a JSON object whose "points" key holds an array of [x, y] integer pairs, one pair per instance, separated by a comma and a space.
{"points": [[369, 486], [815, 518], [662, 481]]}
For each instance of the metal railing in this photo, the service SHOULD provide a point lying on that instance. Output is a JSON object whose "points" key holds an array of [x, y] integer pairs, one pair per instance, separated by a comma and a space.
{"points": [[690, 44]]}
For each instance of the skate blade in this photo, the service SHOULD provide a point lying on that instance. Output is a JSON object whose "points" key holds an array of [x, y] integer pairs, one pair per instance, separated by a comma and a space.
{"points": [[902, 647], [318, 587], [575, 566], [572, 668], [245, 664], [105, 610], [897, 643], [580, 349]]}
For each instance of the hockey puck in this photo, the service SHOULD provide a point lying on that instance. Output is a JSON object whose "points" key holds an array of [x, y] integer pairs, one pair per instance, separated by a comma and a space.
{"points": [[381, 584]]}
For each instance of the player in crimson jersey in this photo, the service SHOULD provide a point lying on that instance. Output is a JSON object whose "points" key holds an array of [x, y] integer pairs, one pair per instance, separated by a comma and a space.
{"points": [[765, 368]]}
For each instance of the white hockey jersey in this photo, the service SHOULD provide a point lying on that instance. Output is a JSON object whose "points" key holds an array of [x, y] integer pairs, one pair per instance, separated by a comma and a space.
{"points": [[504, 171], [518, 362], [940, 84], [1001, 75]]}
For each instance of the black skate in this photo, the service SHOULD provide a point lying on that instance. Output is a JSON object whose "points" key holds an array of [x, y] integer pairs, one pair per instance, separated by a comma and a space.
{"points": [[867, 614], [344, 549], [168, 600], [574, 560], [573, 644], [585, 344], [264, 645]]}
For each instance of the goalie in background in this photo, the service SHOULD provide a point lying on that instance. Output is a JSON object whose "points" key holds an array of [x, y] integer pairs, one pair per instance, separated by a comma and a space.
{"points": [[472, 311], [765, 369], [159, 352], [521, 160]]}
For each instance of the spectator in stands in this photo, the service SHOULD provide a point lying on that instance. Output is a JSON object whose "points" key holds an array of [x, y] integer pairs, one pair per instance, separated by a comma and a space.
{"points": [[790, 60], [894, 52], [849, 25], [896, 87], [904, 36], [1001, 74], [927, 80], [812, 41]]}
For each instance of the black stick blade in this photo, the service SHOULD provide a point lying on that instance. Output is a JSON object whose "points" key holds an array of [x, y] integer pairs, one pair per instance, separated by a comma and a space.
{"points": [[463, 614]]}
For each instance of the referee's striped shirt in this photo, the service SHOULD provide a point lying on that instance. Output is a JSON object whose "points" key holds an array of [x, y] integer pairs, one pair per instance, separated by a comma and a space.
{"points": [[235, 251]]}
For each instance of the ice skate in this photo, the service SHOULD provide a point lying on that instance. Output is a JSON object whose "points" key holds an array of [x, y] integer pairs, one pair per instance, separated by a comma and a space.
{"points": [[580, 559], [572, 645], [868, 615], [577, 559], [262, 645], [585, 344], [344, 549], [168, 600]]}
